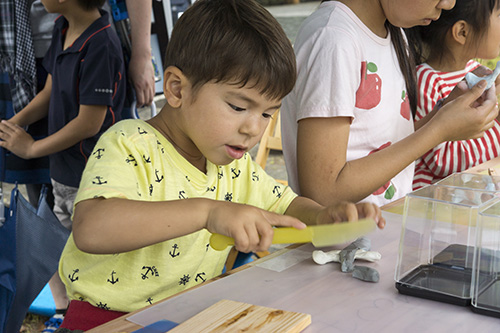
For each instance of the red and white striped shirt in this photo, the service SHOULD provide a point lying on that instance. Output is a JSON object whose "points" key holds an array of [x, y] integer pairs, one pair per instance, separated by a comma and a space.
{"points": [[451, 156]]}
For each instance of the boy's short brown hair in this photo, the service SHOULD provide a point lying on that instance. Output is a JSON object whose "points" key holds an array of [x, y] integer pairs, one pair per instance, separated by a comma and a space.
{"points": [[233, 41], [91, 4]]}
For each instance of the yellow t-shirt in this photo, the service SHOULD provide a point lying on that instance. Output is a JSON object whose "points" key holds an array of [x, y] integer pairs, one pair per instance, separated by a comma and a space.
{"points": [[134, 161]]}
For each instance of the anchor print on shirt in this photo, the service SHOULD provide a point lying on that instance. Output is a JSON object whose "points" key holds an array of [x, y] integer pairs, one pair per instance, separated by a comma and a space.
{"points": [[175, 252], [72, 277], [158, 178], [160, 147], [235, 174], [211, 189], [200, 277], [98, 153], [99, 180], [220, 174], [146, 159], [228, 197], [150, 190], [113, 279], [277, 191], [150, 270], [149, 300], [182, 195], [138, 189], [255, 176], [131, 159], [141, 131]]}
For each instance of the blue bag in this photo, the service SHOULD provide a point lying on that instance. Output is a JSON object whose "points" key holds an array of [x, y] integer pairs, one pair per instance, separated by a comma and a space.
{"points": [[31, 242]]}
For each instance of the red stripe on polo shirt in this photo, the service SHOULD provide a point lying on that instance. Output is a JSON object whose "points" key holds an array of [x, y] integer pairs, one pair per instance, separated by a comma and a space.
{"points": [[93, 36]]}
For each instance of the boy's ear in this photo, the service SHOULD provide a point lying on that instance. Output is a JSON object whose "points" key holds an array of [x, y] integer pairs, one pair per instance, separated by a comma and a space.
{"points": [[460, 31], [174, 84]]}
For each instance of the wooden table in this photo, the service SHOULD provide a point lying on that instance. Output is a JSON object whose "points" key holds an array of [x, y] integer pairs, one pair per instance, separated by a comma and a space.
{"points": [[290, 280]]}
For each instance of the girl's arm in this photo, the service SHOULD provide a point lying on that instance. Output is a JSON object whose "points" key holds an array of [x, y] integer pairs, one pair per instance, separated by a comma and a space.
{"points": [[37, 109], [312, 213], [326, 176], [85, 125]]}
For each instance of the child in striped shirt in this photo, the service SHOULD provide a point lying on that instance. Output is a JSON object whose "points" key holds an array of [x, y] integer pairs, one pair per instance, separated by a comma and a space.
{"points": [[470, 30]]}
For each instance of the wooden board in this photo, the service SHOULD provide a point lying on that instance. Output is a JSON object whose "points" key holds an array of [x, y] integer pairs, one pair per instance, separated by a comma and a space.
{"points": [[231, 316]]}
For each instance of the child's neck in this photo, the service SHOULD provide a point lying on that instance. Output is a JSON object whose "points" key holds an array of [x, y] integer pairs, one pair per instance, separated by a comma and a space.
{"points": [[78, 22], [370, 13], [165, 123], [448, 63]]}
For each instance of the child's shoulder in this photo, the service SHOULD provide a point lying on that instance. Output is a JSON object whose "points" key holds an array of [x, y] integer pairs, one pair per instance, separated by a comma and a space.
{"points": [[130, 128]]}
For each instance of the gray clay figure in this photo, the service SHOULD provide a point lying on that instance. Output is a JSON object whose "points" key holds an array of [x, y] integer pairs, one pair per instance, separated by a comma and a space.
{"points": [[347, 255], [472, 79], [365, 273]]}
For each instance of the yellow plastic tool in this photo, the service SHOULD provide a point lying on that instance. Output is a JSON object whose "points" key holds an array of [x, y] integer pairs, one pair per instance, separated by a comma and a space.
{"points": [[319, 235]]}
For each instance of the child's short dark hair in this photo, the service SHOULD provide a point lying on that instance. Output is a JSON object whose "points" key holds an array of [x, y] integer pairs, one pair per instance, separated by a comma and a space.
{"points": [[233, 41], [91, 4], [475, 12]]}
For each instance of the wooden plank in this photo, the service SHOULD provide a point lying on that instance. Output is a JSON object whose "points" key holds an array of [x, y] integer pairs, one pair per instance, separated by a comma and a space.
{"points": [[232, 316]]}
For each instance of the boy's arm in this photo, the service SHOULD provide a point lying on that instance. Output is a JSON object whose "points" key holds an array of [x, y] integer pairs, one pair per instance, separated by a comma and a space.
{"points": [[117, 225], [37, 109], [85, 125]]}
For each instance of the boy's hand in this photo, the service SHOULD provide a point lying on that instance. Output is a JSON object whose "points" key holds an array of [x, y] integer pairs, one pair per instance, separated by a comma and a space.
{"points": [[15, 139], [249, 226], [347, 211]]}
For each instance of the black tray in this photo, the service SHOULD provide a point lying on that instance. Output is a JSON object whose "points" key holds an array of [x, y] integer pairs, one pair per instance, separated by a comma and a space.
{"points": [[447, 278], [425, 280], [492, 294]]}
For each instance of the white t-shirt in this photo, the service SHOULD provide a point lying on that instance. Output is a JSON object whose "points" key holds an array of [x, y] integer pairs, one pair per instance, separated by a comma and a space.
{"points": [[345, 70]]}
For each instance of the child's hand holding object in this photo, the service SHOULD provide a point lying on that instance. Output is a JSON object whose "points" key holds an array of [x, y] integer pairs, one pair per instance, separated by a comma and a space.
{"points": [[472, 79]]}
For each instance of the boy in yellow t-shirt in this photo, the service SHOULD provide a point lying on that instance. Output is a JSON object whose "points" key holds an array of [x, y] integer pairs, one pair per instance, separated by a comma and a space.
{"points": [[153, 192]]}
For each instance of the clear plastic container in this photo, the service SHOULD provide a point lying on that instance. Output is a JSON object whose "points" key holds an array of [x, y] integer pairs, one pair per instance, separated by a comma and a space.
{"points": [[436, 249], [486, 269], [472, 181]]}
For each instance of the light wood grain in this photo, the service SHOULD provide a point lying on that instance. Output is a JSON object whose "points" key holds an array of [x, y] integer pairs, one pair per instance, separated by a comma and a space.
{"points": [[231, 316]]}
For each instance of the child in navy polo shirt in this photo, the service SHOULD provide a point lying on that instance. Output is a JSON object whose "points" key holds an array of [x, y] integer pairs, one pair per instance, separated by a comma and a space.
{"points": [[83, 96]]}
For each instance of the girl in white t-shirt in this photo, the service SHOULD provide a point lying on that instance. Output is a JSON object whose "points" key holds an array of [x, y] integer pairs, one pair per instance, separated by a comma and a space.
{"points": [[347, 126], [470, 30]]}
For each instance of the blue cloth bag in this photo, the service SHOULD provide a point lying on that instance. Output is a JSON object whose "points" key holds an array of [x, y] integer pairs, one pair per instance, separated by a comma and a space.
{"points": [[31, 242]]}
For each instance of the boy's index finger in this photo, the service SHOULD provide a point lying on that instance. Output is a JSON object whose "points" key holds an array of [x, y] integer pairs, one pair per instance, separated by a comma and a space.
{"points": [[287, 221]]}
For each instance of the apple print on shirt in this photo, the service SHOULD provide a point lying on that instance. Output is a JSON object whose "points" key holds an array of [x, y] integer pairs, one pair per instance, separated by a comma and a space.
{"points": [[405, 106], [387, 188], [369, 91]]}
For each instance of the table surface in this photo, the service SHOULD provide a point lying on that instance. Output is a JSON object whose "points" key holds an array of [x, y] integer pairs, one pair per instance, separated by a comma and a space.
{"points": [[290, 280]]}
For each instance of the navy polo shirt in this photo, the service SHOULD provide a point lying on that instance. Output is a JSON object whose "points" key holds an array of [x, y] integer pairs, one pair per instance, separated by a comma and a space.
{"points": [[89, 72]]}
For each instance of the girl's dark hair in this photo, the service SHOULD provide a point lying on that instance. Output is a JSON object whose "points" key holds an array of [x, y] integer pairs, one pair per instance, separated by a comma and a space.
{"points": [[406, 62], [429, 41], [233, 41]]}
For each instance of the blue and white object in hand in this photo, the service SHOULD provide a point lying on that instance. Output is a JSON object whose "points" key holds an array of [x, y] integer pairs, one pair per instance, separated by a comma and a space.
{"points": [[472, 79]]}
